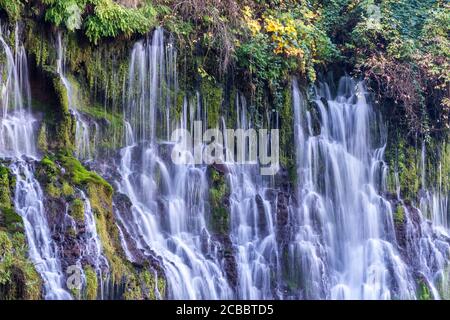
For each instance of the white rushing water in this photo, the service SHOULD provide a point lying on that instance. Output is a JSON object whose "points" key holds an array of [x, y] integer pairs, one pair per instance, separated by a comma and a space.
{"points": [[342, 241], [91, 249], [83, 130], [28, 202], [168, 212], [341, 237], [342, 170], [345, 242], [17, 126], [253, 231], [17, 139]]}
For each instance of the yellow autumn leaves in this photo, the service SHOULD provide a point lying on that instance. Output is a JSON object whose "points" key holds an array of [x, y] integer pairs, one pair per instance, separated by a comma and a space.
{"points": [[283, 32], [252, 24], [284, 35], [293, 34]]}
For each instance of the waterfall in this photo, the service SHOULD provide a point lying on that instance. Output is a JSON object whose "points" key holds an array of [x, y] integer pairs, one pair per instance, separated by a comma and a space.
{"points": [[17, 125], [342, 170], [83, 148], [434, 201], [431, 248], [169, 202], [92, 251], [343, 236], [344, 241], [253, 227], [152, 88], [28, 202], [17, 140]]}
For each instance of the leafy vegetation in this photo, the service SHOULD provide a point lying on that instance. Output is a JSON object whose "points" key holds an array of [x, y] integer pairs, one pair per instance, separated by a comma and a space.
{"points": [[402, 47], [100, 18], [13, 8]]}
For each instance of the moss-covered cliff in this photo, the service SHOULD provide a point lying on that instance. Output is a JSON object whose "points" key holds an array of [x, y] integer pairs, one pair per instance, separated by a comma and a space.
{"points": [[18, 277], [224, 48]]}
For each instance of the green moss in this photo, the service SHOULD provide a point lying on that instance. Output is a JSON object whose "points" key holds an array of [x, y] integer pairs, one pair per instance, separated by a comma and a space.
{"points": [[162, 287], [443, 284], [143, 285], [76, 210], [217, 193], [287, 153], [91, 283], [52, 190], [79, 175], [65, 137], [5, 244], [62, 94], [71, 232], [213, 97], [75, 292], [423, 291], [133, 290], [111, 134], [65, 128], [443, 167], [67, 190], [50, 166], [18, 277], [13, 8], [42, 138], [5, 187], [399, 216], [404, 160], [10, 220], [111, 19]]}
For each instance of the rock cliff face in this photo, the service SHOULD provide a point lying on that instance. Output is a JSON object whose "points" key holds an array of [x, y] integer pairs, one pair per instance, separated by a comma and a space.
{"points": [[93, 206]]}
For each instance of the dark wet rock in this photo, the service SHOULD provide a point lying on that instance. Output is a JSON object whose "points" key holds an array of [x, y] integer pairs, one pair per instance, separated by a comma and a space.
{"points": [[103, 123], [107, 169], [56, 210], [71, 251], [141, 257], [283, 180], [226, 254], [262, 221], [165, 152], [220, 167], [282, 214]]}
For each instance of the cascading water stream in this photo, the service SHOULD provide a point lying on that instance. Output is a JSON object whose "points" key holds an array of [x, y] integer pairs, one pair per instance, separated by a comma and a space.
{"points": [[28, 202], [434, 202], [345, 236], [344, 241], [169, 202], [92, 251], [92, 248], [252, 224], [17, 140], [344, 228], [83, 148], [17, 126]]}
